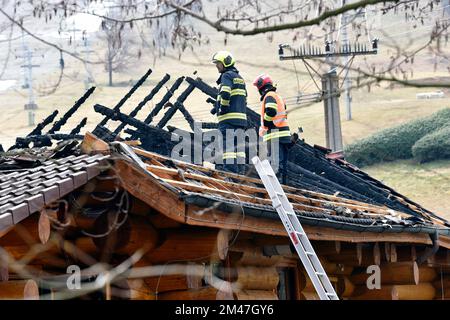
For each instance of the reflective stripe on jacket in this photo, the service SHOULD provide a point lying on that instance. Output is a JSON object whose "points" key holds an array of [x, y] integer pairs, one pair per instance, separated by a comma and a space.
{"points": [[232, 99], [274, 122]]}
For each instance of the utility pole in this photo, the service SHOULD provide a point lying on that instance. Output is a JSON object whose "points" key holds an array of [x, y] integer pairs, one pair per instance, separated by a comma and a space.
{"points": [[89, 79], [330, 81], [27, 57], [333, 132], [73, 30], [347, 80]]}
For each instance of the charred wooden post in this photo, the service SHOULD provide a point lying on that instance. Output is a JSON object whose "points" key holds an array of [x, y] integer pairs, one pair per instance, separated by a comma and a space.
{"points": [[164, 100], [178, 105], [77, 129], [46, 139], [141, 104], [153, 139], [38, 130], [118, 116], [63, 120], [203, 87], [127, 96], [22, 142]]}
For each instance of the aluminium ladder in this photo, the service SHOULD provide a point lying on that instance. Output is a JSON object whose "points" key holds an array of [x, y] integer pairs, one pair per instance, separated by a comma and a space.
{"points": [[295, 231]]}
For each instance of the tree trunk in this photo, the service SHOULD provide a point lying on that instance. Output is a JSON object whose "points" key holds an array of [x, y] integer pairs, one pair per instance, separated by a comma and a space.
{"points": [[110, 71]]}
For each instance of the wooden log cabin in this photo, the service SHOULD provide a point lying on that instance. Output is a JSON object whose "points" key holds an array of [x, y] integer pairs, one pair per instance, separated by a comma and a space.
{"points": [[140, 225]]}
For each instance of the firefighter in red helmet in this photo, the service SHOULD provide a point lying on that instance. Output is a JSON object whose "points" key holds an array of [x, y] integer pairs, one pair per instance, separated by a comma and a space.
{"points": [[274, 127]]}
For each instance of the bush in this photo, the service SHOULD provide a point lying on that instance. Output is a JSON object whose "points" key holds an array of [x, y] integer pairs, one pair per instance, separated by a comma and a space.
{"points": [[397, 142], [433, 146]]}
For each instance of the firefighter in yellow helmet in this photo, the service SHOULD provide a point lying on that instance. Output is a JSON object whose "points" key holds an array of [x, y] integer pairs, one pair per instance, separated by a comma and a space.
{"points": [[231, 109], [274, 128]]}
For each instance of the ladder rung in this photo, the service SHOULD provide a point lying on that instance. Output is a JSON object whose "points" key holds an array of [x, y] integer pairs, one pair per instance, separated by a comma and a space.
{"points": [[310, 253], [276, 206], [320, 274], [331, 294]]}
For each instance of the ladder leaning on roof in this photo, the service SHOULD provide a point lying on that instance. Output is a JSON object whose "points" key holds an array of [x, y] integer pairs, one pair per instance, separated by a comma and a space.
{"points": [[295, 231]]}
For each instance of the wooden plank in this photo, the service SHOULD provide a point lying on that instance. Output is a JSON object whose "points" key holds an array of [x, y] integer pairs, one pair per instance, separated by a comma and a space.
{"points": [[218, 219], [147, 189], [262, 193], [245, 179], [239, 196], [92, 144]]}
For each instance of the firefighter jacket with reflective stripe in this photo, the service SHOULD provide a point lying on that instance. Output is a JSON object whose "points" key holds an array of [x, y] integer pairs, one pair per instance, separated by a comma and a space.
{"points": [[232, 99], [274, 122]]}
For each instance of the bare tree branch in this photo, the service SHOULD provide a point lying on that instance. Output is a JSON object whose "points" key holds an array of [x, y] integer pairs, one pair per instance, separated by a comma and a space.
{"points": [[287, 26], [45, 41]]}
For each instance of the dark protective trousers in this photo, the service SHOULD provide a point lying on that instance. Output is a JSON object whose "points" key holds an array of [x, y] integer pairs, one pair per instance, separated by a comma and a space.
{"points": [[231, 155], [281, 157]]}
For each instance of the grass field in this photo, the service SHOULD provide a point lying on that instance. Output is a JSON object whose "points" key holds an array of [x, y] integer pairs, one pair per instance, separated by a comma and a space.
{"points": [[428, 184]]}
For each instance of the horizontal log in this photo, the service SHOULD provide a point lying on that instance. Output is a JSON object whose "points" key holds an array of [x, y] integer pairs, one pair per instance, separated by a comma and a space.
{"points": [[344, 287], [441, 258], [422, 291], [206, 293], [309, 295], [442, 294], [256, 278], [392, 273], [173, 282], [133, 234], [256, 295], [32, 230], [248, 255], [191, 244], [332, 268], [132, 289], [19, 290], [47, 255], [442, 283]]}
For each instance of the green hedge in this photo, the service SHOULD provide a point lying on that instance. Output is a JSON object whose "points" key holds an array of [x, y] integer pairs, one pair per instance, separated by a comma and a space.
{"points": [[433, 146], [397, 142]]}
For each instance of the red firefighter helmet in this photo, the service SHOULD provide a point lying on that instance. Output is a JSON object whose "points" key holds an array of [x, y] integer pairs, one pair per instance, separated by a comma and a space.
{"points": [[262, 80]]}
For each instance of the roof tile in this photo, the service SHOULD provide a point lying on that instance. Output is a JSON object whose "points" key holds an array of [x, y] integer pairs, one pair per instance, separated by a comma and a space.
{"points": [[19, 212]]}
